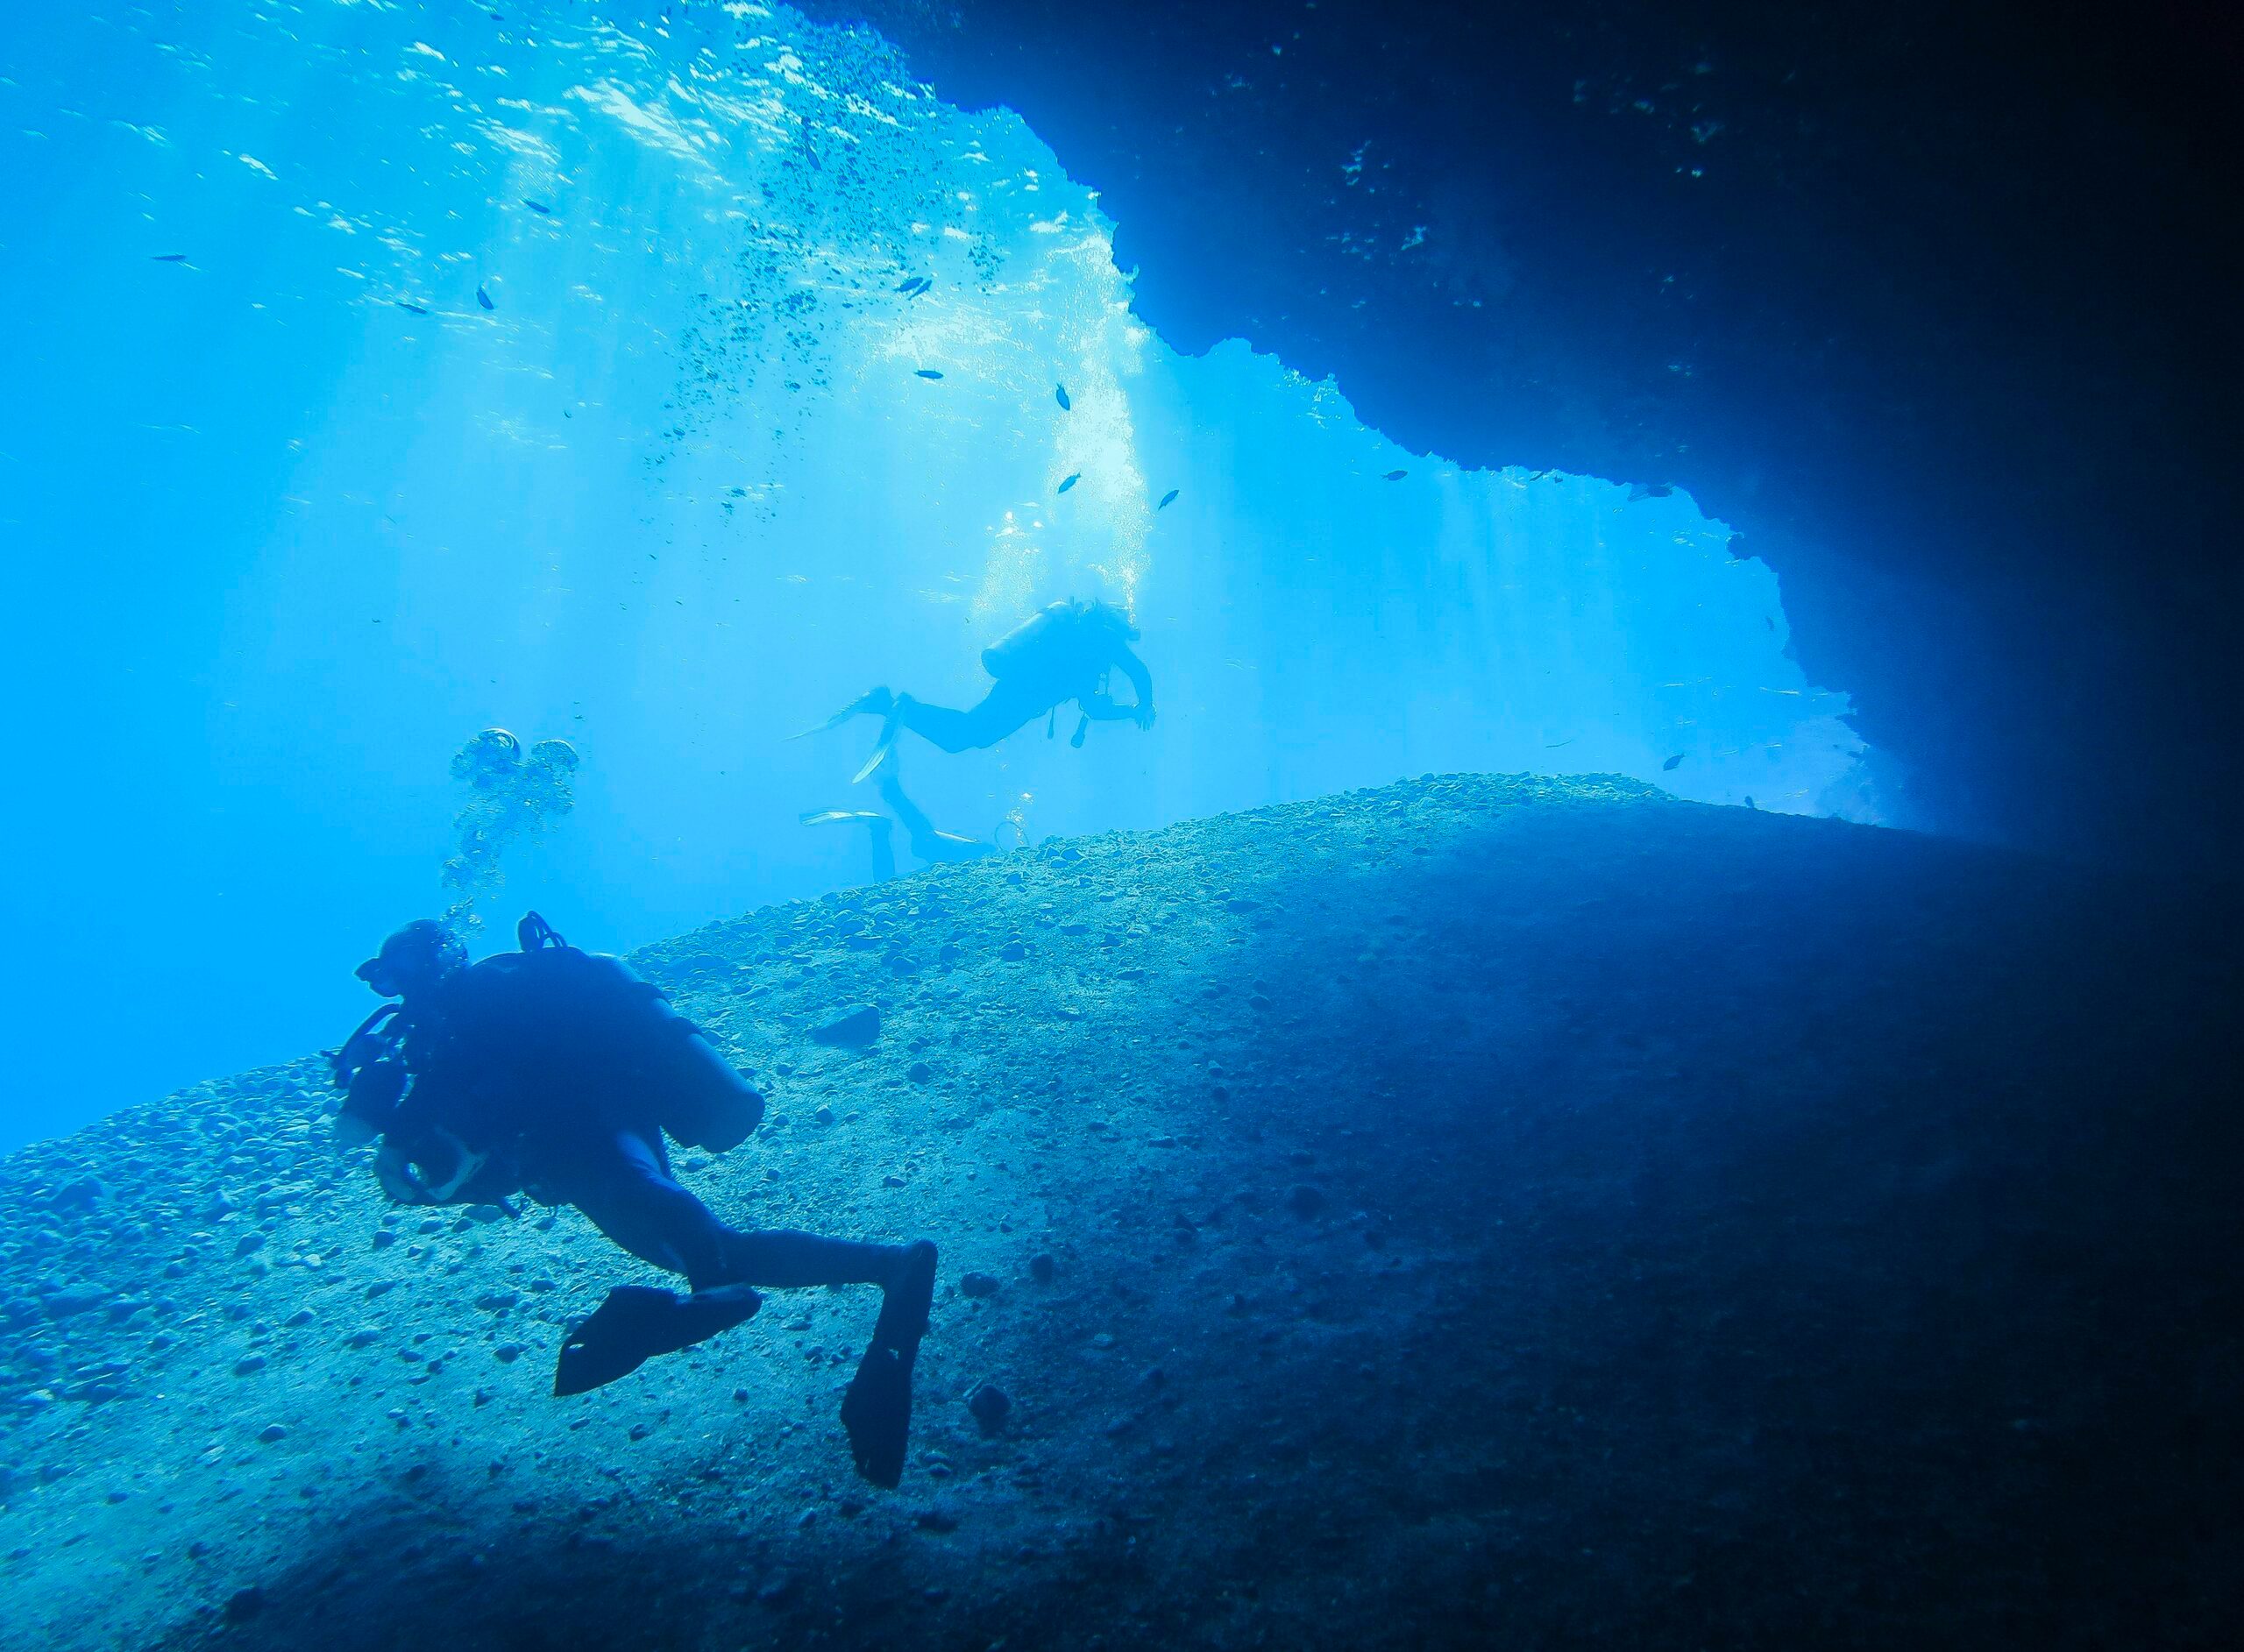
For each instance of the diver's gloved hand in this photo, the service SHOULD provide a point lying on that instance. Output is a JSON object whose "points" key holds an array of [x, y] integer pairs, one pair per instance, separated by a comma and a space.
{"points": [[1143, 716]]}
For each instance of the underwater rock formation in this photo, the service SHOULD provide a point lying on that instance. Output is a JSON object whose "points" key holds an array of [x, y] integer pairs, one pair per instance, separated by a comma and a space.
{"points": [[1478, 1209]]}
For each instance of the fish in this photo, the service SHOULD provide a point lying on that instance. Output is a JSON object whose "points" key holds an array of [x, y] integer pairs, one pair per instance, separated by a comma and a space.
{"points": [[416, 309], [1074, 478], [1553, 744], [927, 372], [484, 298], [168, 258], [1168, 498], [1749, 802], [538, 207], [1395, 476], [1059, 394], [1671, 762], [1649, 490]]}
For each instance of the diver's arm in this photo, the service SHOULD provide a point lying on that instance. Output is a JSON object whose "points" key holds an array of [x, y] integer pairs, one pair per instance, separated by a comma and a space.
{"points": [[1140, 679]]}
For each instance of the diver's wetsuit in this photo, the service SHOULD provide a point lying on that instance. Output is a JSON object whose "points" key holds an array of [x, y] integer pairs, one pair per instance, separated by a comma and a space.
{"points": [[620, 1179], [559, 1072], [1070, 661], [567, 1077]]}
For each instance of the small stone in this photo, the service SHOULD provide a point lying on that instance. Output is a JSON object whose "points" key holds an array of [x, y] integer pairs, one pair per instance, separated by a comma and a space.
{"points": [[937, 1517], [1304, 1201], [640, 1430], [919, 1072], [384, 1239], [1103, 1339], [495, 1301], [248, 1244], [892, 1182], [1041, 1267], [853, 1027], [245, 1604], [777, 1590], [978, 1284], [824, 1116], [1014, 951], [302, 1316], [272, 1433], [990, 1405], [507, 1353], [249, 1365]]}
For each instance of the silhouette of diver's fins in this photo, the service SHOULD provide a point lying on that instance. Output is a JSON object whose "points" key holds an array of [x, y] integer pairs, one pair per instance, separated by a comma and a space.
{"points": [[875, 702], [877, 1409], [638, 1322], [889, 731]]}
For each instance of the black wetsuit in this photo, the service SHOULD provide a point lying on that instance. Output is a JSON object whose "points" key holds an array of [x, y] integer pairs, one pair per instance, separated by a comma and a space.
{"points": [[566, 1070], [1071, 662]]}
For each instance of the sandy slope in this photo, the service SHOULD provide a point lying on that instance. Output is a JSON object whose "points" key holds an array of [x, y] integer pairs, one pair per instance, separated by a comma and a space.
{"points": [[1475, 1209]]}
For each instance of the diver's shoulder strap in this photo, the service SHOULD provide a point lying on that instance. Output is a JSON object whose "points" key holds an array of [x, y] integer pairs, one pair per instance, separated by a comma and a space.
{"points": [[535, 934]]}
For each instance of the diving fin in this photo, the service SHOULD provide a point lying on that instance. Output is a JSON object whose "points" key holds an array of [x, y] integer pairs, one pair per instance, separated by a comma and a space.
{"points": [[638, 1322], [874, 702], [889, 731], [838, 817], [877, 1411]]}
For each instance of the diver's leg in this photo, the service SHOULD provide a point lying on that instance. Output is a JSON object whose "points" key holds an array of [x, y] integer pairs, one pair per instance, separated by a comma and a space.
{"points": [[1004, 709], [622, 1182], [883, 850]]}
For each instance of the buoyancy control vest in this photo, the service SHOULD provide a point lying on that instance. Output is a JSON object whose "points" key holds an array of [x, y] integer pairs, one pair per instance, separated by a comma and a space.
{"points": [[524, 1047]]}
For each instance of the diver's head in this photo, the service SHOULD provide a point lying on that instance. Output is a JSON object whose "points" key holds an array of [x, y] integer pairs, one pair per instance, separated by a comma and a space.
{"points": [[1112, 616], [413, 959]]}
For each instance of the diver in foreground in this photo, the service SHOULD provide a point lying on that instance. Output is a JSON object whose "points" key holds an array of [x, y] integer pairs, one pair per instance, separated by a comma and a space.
{"points": [[928, 845], [557, 1073], [1066, 652]]}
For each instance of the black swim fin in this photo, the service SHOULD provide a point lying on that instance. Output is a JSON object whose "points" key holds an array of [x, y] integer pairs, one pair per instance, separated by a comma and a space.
{"points": [[875, 702], [877, 1411], [638, 1322]]}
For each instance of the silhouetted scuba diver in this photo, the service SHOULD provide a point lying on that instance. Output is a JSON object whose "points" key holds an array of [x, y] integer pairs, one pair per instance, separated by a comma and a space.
{"points": [[557, 1073], [928, 845], [1066, 652]]}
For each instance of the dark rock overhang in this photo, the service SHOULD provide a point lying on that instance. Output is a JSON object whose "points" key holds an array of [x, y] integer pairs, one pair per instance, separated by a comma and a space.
{"points": [[1935, 303]]}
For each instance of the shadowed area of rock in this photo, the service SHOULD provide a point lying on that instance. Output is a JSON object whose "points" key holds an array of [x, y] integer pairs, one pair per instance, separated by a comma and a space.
{"points": [[1477, 1209]]}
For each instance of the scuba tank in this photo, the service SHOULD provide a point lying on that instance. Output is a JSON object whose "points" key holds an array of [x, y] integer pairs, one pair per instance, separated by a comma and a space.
{"points": [[1031, 641]]}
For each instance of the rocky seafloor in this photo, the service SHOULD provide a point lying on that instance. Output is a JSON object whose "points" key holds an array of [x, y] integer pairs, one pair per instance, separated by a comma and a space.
{"points": [[1478, 1211]]}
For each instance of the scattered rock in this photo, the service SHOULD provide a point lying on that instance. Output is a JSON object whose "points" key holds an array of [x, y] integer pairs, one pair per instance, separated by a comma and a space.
{"points": [[919, 1071], [978, 1284], [1303, 1200], [245, 1604], [990, 1405], [249, 1365], [272, 1433], [1041, 1267], [852, 1027]]}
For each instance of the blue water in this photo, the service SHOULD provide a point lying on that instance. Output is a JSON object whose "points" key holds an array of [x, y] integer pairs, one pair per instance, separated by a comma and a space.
{"points": [[326, 448]]}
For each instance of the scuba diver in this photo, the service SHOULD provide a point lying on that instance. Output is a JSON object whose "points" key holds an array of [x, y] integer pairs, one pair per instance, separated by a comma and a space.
{"points": [[557, 1073], [1065, 652], [928, 845]]}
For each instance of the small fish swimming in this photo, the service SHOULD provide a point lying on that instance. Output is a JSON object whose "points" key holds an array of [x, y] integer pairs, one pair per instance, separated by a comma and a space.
{"points": [[1074, 478], [168, 258], [1671, 762], [927, 372], [1168, 499], [406, 304], [484, 298], [1648, 490], [913, 286], [1395, 476], [538, 207], [1059, 394]]}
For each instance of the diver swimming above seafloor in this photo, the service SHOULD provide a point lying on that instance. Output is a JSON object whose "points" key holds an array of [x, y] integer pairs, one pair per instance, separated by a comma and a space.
{"points": [[1065, 652], [928, 845], [557, 1073]]}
